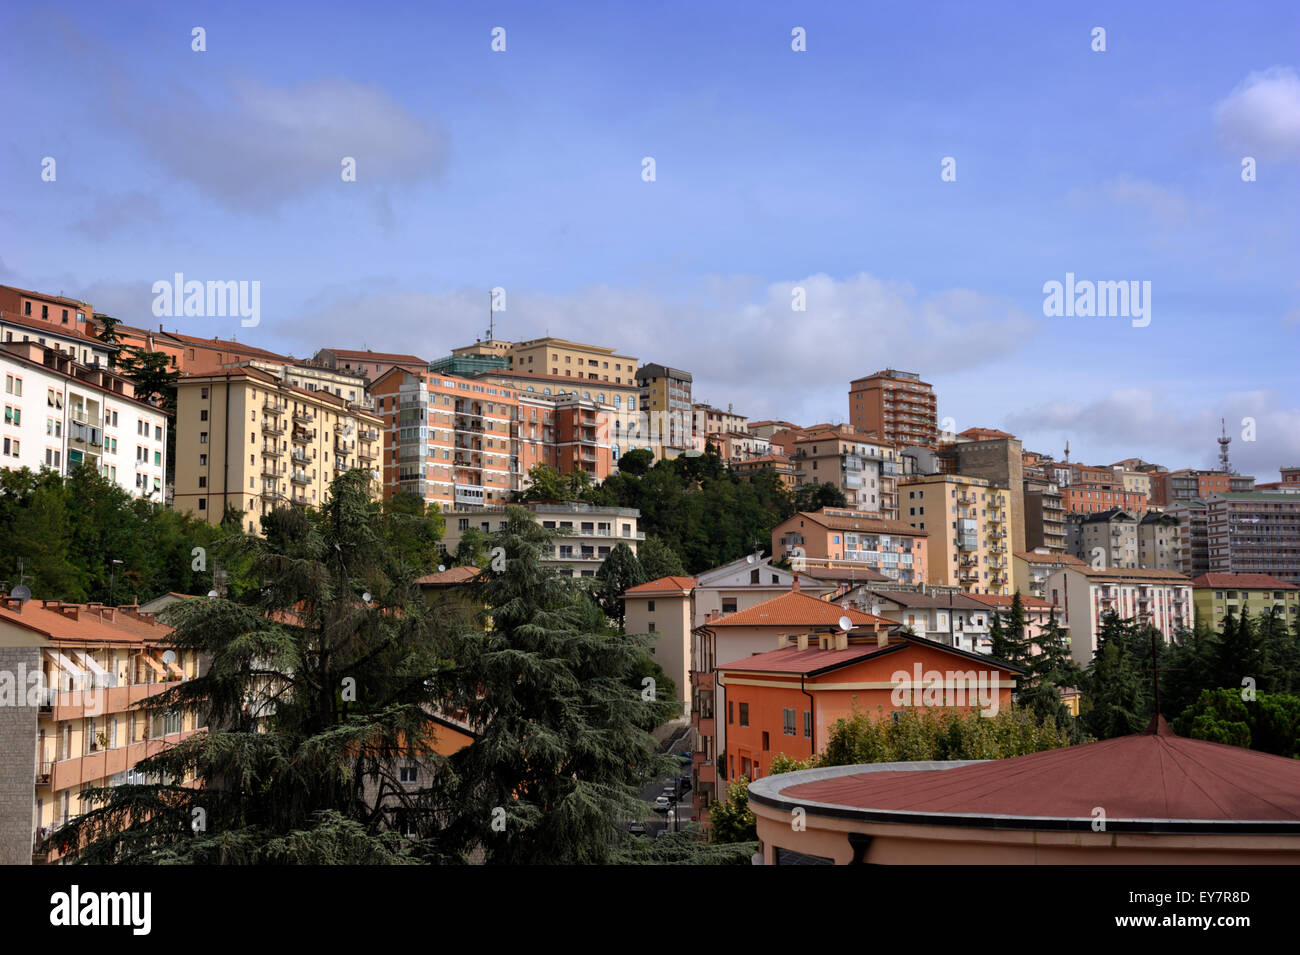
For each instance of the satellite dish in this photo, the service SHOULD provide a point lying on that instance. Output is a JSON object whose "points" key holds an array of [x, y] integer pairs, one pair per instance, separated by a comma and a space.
{"points": [[366, 596], [846, 624], [169, 656], [441, 568], [749, 558], [212, 593], [21, 593]]}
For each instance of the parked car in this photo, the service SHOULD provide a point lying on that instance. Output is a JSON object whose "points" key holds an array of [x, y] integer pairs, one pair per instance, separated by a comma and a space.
{"points": [[662, 803], [636, 828]]}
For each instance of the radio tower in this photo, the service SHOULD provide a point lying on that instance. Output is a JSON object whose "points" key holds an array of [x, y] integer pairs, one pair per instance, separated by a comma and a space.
{"points": [[1224, 464]]}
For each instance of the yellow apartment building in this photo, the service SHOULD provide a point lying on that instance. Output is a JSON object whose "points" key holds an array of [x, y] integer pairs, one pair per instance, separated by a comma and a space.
{"points": [[967, 520], [247, 439]]}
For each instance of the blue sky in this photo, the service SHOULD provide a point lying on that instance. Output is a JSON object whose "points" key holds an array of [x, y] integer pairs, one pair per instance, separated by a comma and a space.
{"points": [[775, 169]]}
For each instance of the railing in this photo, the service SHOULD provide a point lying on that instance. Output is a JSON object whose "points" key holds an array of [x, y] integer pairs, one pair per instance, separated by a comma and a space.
{"points": [[300, 477], [272, 451], [304, 416], [302, 437], [272, 427]]}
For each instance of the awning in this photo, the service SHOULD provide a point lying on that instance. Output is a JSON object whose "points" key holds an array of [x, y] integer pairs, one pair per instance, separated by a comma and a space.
{"points": [[65, 665], [157, 667], [89, 662]]}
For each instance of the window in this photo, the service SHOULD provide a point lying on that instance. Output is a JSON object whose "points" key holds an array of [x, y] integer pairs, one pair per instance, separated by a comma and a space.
{"points": [[729, 605], [767, 745], [203, 504], [731, 712], [744, 714], [203, 437], [787, 722], [651, 627], [650, 605], [203, 414], [807, 724], [407, 774]]}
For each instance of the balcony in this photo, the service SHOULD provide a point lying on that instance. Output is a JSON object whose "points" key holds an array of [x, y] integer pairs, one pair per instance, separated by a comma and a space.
{"points": [[299, 500], [300, 477], [269, 471], [271, 451], [270, 426], [340, 465], [300, 436], [80, 415], [303, 416], [365, 454], [271, 494], [370, 434], [272, 407], [299, 456]]}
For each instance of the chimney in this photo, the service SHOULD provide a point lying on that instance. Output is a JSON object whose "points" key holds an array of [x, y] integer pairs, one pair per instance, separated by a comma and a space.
{"points": [[882, 636], [794, 588], [782, 641], [841, 640], [803, 641], [70, 611]]}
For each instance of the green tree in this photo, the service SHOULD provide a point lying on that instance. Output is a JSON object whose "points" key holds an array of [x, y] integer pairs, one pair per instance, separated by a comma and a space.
{"points": [[564, 738], [344, 690], [1009, 641], [618, 572], [813, 497], [658, 559], [153, 377], [1269, 723], [637, 461], [1116, 701], [413, 529], [107, 332], [42, 541], [731, 820]]}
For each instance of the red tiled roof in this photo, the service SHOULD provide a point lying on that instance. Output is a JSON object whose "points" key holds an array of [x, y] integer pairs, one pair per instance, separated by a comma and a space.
{"points": [[1004, 600], [795, 609], [378, 356], [54, 328], [663, 585], [794, 660], [1242, 582], [92, 625], [452, 575], [1033, 558], [1142, 777], [1135, 573], [867, 523], [865, 575], [223, 344]]}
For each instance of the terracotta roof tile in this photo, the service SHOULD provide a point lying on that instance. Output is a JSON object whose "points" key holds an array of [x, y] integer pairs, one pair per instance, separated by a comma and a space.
{"points": [[452, 575], [663, 585], [1242, 582], [795, 609]]}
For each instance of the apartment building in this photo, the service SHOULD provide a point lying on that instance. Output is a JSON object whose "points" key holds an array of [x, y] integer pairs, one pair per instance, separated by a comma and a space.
{"points": [[60, 414], [191, 354], [952, 619], [1255, 533], [585, 533], [710, 420], [451, 441], [778, 464], [735, 446], [368, 364], [627, 427], [249, 441], [1044, 515], [895, 407], [850, 540], [767, 428], [728, 637], [70, 676], [1193, 539], [1034, 567], [561, 358], [866, 471], [666, 399], [1106, 539], [1290, 483], [1094, 498], [55, 322], [311, 377], [787, 700], [1190, 484], [1159, 541], [998, 458], [968, 520], [1256, 595], [1161, 598]]}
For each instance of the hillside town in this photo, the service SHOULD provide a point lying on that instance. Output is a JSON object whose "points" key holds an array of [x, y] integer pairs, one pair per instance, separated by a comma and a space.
{"points": [[896, 546]]}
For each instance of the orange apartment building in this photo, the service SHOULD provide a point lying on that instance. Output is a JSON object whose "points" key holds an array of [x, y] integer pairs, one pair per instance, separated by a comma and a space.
{"points": [[788, 700], [449, 440], [190, 354], [837, 538], [70, 676], [1189, 484], [777, 463], [1095, 498], [896, 407], [369, 364], [61, 323]]}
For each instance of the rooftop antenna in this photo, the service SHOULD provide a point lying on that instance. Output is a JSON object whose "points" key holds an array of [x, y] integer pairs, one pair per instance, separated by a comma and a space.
{"points": [[492, 318], [1067, 450], [1224, 464]]}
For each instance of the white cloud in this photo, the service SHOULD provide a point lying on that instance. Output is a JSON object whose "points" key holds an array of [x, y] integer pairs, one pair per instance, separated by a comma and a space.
{"points": [[1135, 421], [740, 339], [1262, 115]]}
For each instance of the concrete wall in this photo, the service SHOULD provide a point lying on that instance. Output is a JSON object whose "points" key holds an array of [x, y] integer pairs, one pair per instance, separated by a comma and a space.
{"points": [[17, 758]]}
